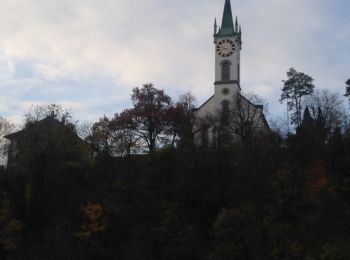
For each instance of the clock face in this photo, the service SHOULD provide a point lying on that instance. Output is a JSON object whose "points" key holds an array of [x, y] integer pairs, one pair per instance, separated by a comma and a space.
{"points": [[225, 48]]}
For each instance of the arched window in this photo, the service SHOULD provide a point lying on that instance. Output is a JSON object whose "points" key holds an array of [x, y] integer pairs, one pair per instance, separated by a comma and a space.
{"points": [[225, 110], [225, 70], [239, 74]]}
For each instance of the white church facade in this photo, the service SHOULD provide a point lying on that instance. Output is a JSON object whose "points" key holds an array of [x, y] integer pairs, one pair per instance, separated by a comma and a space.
{"points": [[228, 109]]}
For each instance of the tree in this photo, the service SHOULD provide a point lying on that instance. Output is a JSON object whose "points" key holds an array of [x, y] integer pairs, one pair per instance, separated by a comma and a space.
{"points": [[5, 128], [175, 239], [176, 120], [50, 165], [114, 137], [124, 137], [329, 106], [308, 141], [10, 228], [181, 120], [153, 120], [296, 87], [187, 102], [100, 136], [94, 214], [227, 231], [279, 126], [244, 118], [39, 112], [347, 94], [148, 117]]}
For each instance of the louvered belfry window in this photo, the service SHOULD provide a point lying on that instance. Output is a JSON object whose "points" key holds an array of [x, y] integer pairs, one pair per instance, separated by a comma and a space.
{"points": [[225, 71]]}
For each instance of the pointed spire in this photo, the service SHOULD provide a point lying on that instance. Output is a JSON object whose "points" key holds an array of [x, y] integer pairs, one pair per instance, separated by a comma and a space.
{"points": [[215, 27], [240, 37], [236, 25], [227, 27]]}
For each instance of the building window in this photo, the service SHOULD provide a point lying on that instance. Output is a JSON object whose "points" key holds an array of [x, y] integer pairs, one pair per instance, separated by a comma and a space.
{"points": [[239, 73], [225, 70], [225, 110]]}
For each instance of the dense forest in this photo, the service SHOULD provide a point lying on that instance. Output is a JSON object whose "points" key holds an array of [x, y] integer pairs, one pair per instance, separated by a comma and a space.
{"points": [[136, 186]]}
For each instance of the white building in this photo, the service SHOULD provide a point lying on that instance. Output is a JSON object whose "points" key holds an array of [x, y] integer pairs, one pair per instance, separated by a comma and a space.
{"points": [[227, 108]]}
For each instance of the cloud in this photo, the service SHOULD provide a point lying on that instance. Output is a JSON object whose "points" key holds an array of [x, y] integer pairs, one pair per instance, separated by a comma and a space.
{"points": [[90, 54]]}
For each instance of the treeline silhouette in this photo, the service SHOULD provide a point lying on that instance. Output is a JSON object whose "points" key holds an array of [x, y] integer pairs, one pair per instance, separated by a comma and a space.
{"points": [[139, 188]]}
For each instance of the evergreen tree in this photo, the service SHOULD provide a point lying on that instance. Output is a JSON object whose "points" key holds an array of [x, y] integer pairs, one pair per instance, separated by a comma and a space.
{"points": [[347, 94]]}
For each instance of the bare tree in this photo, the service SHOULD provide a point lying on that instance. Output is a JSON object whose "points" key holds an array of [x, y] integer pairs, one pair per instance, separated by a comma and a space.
{"points": [[329, 106], [5, 128], [39, 112], [240, 119], [84, 129], [188, 102], [279, 126], [245, 117], [183, 120]]}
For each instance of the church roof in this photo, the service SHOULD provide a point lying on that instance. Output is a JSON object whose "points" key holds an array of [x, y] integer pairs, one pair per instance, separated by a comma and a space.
{"points": [[227, 27], [196, 109]]}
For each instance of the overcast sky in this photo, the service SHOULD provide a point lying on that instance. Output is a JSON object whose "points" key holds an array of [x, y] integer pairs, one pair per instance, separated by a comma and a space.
{"points": [[88, 54]]}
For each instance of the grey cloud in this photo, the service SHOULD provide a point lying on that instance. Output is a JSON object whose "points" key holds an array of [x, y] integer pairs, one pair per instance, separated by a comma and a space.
{"points": [[166, 42]]}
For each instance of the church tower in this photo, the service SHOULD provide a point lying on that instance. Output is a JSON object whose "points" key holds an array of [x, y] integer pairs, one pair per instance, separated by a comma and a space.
{"points": [[227, 40], [227, 107]]}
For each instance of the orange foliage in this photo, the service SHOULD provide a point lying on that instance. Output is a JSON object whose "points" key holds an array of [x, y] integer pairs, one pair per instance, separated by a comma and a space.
{"points": [[94, 213]]}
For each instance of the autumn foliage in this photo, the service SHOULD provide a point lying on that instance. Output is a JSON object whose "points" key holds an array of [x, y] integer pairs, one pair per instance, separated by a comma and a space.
{"points": [[138, 187], [95, 224]]}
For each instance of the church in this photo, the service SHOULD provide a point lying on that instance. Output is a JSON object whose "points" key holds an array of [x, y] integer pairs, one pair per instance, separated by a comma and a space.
{"points": [[228, 111]]}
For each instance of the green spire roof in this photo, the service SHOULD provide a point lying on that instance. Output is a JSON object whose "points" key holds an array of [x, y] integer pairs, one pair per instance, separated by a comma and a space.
{"points": [[227, 28]]}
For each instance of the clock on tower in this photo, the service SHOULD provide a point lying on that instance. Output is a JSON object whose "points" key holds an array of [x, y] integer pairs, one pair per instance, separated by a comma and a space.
{"points": [[227, 101], [227, 40]]}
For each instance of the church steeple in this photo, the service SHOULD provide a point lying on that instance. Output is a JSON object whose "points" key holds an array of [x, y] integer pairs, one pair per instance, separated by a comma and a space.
{"points": [[227, 27], [236, 25], [228, 44], [215, 27]]}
